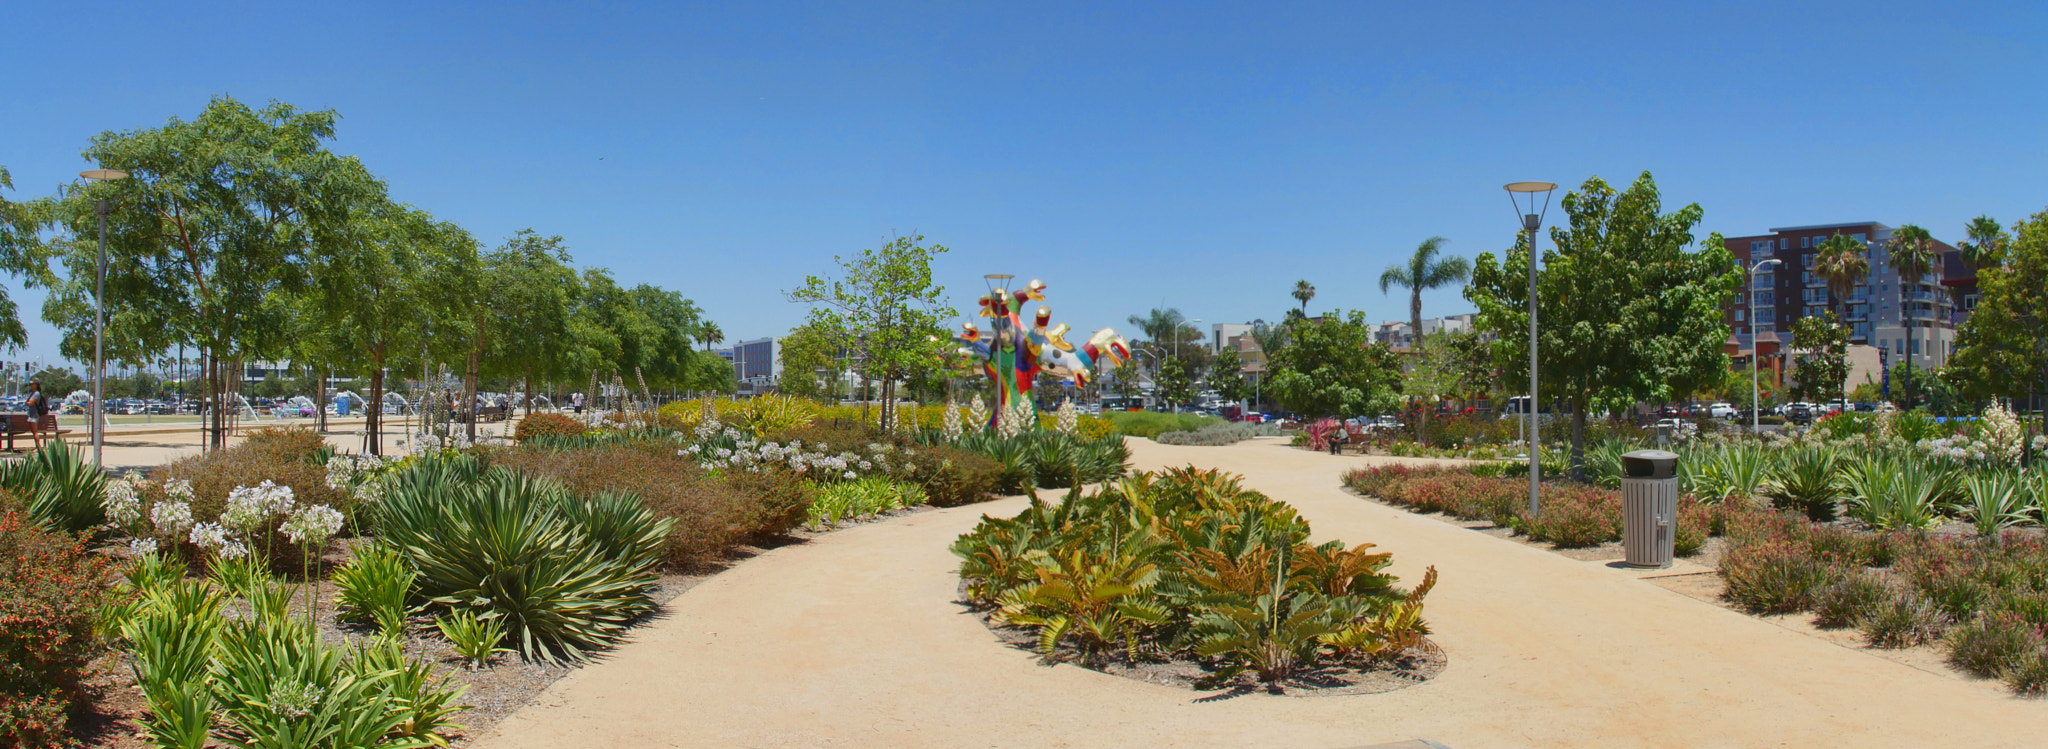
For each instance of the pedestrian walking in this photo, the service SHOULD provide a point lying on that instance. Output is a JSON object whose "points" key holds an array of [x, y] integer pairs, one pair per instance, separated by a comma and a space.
{"points": [[38, 407]]}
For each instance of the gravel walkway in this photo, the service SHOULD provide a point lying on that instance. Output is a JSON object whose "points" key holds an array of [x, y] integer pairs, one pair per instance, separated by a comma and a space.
{"points": [[852, 639]]}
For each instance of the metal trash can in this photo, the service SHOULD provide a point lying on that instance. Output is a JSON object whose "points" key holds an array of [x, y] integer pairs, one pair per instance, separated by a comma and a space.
{"points": [[1649, 507]]}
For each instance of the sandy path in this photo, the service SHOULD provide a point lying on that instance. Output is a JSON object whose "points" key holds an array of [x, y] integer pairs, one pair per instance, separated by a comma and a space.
{"points": [[852, 640]]}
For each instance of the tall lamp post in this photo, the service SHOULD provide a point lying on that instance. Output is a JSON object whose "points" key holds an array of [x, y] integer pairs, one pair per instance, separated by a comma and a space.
{"points": [[1532, 220], [1756, 389], [101, 207]]}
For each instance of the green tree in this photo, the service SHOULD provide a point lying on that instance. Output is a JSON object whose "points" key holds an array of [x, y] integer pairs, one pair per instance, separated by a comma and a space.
{"points": [[1226, 375], [1624, 310], [808, 359], [886, 299], [1823, 345], [1986, 245], [1304, 291], [210, 236], [1433, 373], [532, 321], [1332, 367], [1913, 255], [1424, 271], [22, 255], [1175, 385], [1472, 356], [1844, 263], [58, 382], [2002, 349]]}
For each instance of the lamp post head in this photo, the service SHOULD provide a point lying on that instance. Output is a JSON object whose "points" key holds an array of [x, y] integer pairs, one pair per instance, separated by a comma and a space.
{"points": [[102, 175], [1532, 217]]}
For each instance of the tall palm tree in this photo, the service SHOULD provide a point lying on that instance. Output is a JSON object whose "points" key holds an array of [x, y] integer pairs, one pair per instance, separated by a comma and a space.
{"points": [[1424, 271], [1987, 243], [1162, 327], [1913, 255], [1304, 291], [1840, 260], [711, 334]]}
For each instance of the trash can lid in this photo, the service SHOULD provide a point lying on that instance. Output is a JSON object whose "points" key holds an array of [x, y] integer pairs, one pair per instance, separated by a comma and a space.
{"points": [[1649, 464]]}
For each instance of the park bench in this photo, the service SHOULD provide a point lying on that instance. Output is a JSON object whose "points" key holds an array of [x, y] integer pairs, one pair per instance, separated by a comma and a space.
{"points": [[19, 424]]}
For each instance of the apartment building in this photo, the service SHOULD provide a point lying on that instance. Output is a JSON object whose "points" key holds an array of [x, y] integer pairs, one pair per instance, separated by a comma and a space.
{"points": [[757, 364], [1877, 311], [1396, 334]]}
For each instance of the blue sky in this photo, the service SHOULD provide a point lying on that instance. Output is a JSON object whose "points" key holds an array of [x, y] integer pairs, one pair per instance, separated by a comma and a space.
{"points": [[1201, 156]]}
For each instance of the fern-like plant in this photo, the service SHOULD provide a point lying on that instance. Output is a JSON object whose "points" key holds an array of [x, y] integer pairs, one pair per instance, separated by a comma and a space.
{"points": [[376, 585], [1091, 596]]}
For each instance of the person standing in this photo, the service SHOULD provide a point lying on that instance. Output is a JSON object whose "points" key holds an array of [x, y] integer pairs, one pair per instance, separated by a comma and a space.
{"points": [[38, 407], [576, 400]]}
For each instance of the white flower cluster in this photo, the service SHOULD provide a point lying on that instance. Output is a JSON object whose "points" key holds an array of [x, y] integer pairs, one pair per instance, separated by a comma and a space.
{"points": [[312, 525], [142, 547], [1955, 448], [1015, 417], [2003, 436], [977, 414], [952, 422], [214, 538], [121, 503], [170, 518], [1067, 419], [425, 442], [364, 477], [752, 456]]}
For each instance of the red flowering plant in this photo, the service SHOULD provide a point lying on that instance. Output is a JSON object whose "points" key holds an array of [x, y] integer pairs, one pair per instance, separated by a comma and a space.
{"points": [[51, 592]]}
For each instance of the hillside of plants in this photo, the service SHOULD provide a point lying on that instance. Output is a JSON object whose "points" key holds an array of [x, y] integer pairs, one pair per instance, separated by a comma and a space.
{"points": [[278, 593], [1188, 578], [1910, 530]]}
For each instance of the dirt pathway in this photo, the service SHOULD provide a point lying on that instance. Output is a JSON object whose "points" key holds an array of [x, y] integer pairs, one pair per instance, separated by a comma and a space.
{"points": [[852, 640]]}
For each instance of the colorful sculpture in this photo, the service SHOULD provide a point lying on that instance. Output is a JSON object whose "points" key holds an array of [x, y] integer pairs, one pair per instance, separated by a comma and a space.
{"points": [[1013, 355]]}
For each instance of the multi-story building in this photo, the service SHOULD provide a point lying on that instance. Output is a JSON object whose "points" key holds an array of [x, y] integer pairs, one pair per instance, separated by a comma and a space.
{"points": [[1877, 310], [1396, 334], [756, 365]]}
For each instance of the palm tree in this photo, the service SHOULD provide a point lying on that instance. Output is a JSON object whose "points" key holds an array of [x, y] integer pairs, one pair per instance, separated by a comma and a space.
{"points": [[1304, 291], [1840, 260], [1162, 327], [1987, 243], [711, 334], [1913, 255], [1424, 271]]}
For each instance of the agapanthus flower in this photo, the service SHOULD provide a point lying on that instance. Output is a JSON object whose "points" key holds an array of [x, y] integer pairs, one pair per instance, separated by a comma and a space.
{"points": [[170, 518], [313, 524], [121, 504], [208, 535], [142, 546]]}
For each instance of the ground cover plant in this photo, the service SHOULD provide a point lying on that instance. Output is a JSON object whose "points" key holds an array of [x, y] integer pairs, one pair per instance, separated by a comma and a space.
{"points": [[1189, 565], [1225, 433], [51, 593], [1574, 515]]}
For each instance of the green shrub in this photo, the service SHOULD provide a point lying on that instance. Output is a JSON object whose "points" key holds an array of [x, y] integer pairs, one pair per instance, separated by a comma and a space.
{"points": [[1903, 620], [375, 585], [860, 499], [61, 490], [1807, 481], [517, 548], [1224, 433], [957, 477], [1993, 643], [1574, 517], [1150, 424], [1848, 600], [1774, 576], [214, 474], [548, 425], [286, 444], [51, 591], [476, 640]]}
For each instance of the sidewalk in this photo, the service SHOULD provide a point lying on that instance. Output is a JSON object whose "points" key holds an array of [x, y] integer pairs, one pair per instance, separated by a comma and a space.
{"points": [[853, 639]]}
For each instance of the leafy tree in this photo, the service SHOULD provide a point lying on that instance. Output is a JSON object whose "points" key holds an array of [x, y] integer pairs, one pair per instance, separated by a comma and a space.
{"points": [[1332, 367], [2002, 349], [58, 382], [1424, 271], [1913, 255], [1127, 379], [807, 351], [210, 236], [1304, 291], [887, 300], [1926, 388], [1226, 376], [1823, 368], [1433, 374], [525, 322], [1175, 385], [22, 255], [1624, 310], [1472, 357]]}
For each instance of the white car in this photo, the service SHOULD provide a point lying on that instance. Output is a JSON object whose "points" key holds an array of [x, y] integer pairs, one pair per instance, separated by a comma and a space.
{"points": [[1677, 426], [1723, 411]]}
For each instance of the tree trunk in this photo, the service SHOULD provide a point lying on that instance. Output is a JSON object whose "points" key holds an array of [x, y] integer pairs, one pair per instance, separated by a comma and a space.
{"points": [[319, 400], [1578, 439], [527, 388], [375, 416], [469, 392], [1415, 356]]}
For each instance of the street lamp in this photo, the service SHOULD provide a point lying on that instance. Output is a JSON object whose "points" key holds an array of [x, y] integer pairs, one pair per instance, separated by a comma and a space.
{"points": [[101, 207], [1755, 346], [1532, 220]]}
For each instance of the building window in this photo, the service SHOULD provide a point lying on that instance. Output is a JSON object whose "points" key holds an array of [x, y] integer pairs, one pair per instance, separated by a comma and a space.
{"points": [[1765, 299], [1763, 281], [1741, 315], [1766, 317]]}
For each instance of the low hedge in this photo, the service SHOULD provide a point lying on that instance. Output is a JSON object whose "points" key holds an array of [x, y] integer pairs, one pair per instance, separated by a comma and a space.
{"points": [[1573, 515], [1151, 424], [548, 425]]}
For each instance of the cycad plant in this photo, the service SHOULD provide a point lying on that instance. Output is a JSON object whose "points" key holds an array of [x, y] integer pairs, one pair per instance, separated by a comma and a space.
{"points": [[1274, 633], [1093, 596]]}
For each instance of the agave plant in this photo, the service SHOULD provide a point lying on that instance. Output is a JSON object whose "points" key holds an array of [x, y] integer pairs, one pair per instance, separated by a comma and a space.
{"points": [[63, 491], [523, 550], [1889, 492], [376, 585], [1995, 500], [1807, 481]]}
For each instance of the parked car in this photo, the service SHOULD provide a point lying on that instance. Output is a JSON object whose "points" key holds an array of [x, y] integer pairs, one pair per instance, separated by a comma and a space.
{"points": [[1677, 426], [1723, 411], [1799, 413]]}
